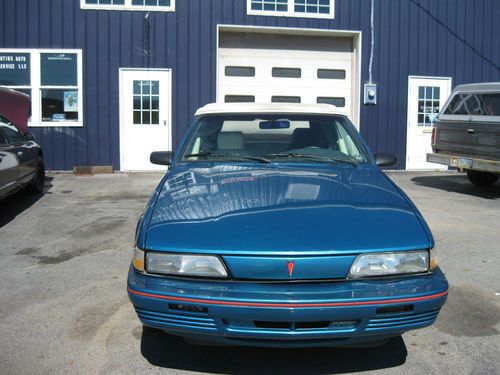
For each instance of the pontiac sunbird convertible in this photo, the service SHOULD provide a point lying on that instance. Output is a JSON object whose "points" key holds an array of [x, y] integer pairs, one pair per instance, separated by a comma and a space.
{"points": [[274, 226]]}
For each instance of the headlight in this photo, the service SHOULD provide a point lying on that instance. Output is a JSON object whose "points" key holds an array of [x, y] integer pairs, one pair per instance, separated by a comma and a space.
{"points": [[383, 264], [185, 265]]}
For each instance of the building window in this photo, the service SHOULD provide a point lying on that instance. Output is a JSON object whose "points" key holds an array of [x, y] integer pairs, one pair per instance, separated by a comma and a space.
{"points": [[292, 8], [52, 79], [146, 103], [428, 104], [270, 5], [147, 5]]}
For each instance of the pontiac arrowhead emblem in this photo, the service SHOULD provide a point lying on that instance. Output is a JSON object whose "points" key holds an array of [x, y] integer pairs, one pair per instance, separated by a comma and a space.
{"points": [[290, 264]]}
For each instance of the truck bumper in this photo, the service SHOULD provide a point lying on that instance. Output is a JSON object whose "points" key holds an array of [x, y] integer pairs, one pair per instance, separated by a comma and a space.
{"points": [[464, 162]]}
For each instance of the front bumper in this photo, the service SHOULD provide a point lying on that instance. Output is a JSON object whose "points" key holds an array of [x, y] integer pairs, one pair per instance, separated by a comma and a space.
{"points": [[335, 313]]}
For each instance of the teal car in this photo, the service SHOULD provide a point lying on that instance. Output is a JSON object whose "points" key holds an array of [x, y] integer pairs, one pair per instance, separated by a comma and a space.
{"points": [[275, 227]]}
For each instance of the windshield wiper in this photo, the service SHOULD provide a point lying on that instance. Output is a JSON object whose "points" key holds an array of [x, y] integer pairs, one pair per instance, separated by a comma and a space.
{"points": [[316, 157], [229, 156]]}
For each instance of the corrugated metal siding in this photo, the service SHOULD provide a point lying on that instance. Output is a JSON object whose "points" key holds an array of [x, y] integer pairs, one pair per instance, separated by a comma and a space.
{"points": [[408, 42]]}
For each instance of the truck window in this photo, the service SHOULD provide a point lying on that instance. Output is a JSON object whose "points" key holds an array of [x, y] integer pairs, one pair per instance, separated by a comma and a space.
{"points": [[474, 104]]}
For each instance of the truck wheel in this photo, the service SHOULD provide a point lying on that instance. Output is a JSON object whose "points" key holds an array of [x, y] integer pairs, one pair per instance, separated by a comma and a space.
{"points": [[482, 178], [36, 185]]}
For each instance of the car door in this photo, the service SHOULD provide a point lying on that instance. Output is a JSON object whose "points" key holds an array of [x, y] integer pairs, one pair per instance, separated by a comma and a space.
{"points": [[8, 164], [19, 147]]}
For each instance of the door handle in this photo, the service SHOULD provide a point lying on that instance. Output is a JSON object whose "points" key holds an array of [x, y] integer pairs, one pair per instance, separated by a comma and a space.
{"points": [[20, 154], [164, 122]]}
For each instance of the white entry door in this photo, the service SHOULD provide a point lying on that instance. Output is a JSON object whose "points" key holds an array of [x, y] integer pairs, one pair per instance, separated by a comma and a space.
{"points": [[426, 97], [145, 117]]}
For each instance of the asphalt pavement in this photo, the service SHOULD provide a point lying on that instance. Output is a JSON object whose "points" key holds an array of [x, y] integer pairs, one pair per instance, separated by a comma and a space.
{"points": [[64, 258]]}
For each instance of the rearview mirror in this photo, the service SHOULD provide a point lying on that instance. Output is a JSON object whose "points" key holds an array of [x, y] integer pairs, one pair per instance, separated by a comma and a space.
{"points": [[385, 159], [161, 158], [274, 124]]}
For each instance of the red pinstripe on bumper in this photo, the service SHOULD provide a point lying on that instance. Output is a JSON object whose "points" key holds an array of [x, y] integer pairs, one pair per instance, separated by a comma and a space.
{"points": [[287, 305]]}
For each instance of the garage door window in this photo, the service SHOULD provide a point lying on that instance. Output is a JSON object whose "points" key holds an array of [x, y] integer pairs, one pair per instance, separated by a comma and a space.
{"points": [[240, 71], [285, 99], [239, 99], [337, 102], [292, 8], [331, 74], [287, 73], [52, 79]]}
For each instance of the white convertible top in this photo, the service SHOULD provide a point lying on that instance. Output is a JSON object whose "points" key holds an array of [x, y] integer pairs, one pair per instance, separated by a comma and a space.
{"points": [[282, 108]]}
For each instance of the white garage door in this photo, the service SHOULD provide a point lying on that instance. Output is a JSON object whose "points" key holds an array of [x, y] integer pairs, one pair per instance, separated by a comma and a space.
{"points": [[265, 68]]}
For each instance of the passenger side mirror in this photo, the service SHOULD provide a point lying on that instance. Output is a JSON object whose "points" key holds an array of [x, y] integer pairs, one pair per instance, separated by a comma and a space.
{"points": [[385, 159], [29, 136], [161, 158]]}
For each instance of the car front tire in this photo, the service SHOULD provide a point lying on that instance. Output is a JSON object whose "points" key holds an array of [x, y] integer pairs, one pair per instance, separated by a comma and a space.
{"points": [[37, 184], [482, 178]]}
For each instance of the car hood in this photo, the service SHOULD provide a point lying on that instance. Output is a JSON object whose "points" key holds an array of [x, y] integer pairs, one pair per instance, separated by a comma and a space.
{"points": [[275, 209]]}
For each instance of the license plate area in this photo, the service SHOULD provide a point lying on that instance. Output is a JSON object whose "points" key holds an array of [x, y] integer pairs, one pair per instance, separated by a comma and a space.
{"points": [[460, 162]]}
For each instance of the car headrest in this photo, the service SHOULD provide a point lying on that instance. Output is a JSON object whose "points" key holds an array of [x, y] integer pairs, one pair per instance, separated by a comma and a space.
{"points": [[305, 137], [230, 141]]}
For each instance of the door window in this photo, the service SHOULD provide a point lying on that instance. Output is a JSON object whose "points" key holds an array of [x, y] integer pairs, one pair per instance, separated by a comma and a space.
{"points": [[428, 104], [146, 103]]}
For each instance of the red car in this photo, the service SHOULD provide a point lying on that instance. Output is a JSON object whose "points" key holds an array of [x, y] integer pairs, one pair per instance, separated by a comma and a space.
{"points": [[21, 158], [16, 106]]}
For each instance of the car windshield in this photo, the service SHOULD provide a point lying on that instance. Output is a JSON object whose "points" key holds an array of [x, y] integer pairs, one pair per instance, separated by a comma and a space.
{"points": [[271, 138]]}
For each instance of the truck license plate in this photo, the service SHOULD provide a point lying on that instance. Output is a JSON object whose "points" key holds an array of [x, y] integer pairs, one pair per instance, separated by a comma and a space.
{"points": [[461, 162]]}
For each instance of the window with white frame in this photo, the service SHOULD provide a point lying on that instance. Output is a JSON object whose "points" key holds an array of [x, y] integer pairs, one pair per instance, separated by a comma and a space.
{"points": [[147, 5], [53, 80], [292, 8]]}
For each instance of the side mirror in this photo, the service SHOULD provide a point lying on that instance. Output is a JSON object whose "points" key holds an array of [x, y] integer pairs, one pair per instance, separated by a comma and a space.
{"points": [[161, 157], [383, 159], [29, 136]]}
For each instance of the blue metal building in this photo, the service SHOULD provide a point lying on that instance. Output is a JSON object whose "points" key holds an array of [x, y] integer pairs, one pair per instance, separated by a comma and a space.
{"points": [[104, 74]]}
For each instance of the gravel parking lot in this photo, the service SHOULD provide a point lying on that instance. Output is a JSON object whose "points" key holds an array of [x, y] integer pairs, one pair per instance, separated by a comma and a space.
{"points": [[64, 307]]}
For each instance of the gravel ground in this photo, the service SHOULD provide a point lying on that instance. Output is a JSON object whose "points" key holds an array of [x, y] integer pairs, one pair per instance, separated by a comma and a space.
{"points": [[64, 308]]}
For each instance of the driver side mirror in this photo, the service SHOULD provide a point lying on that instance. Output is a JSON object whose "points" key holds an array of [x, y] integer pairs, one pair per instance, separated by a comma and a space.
{"points": [[383, 159], [161, 158]]}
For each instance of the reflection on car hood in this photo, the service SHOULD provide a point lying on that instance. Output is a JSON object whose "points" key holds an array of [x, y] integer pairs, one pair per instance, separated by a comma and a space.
{"points": [[274, 209]]}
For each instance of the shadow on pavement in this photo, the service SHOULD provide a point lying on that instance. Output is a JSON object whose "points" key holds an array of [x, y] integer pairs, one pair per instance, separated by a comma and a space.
{"points": [[458, 183], [19, 202], [163, 350]]}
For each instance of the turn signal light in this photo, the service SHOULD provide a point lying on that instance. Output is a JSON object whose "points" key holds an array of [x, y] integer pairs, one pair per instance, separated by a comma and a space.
{"points": [[433, 135]]}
